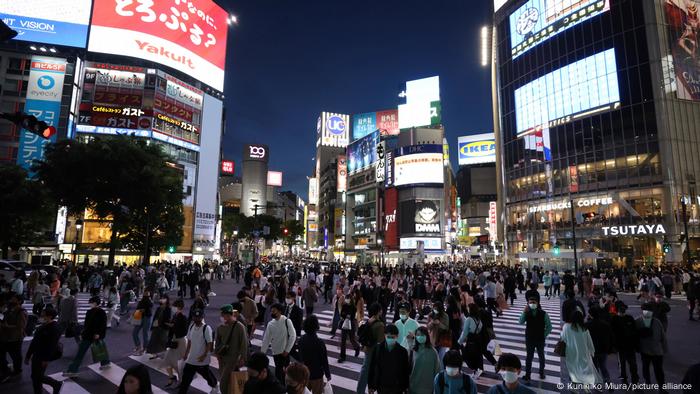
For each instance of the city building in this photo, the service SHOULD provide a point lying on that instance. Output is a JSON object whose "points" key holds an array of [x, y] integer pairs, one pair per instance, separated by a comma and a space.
{"points": [[73, 74], [597, 116]]}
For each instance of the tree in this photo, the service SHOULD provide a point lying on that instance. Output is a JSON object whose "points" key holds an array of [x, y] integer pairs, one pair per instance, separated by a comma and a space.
{"points": [[25, 209], [295, 231], [122, 179]]}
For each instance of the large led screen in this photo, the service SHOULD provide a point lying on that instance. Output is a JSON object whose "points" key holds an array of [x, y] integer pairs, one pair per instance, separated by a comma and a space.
{"points": [[572, 92], [538, 20], [420, 217], [53, 22], [682, 21], [363, 152], [418, 164], [189, 36]]}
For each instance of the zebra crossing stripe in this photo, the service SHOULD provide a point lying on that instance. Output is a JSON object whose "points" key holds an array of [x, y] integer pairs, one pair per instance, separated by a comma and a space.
{"points": [[198, 382]]}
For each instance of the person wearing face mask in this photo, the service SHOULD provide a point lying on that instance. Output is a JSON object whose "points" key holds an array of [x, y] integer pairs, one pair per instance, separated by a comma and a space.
{"points": [[231, 345], [296, 315], [389, 369], [144, 306], [652, 344], [626, 337], [509, 367], [439, 328], [198, 354], [348, 325], [537, 327], [425, 363], [177, 341], [280, 335], [406, 325], [338, 301], [159, 328], [296, 379], [260, 379], [452, 380], [661, 309], [94, 329]]}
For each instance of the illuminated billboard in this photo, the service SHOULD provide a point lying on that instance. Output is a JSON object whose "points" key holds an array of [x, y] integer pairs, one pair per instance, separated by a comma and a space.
{"points": [[363, 124], [363, 152], [227, 167], [388, 122], [476, 149], [418, 164], [53, 22], [420, 217], [422, 106], [682, 21], [539, 20], [189, 36], [342, 175], [333, 130], [274, 178], [572, 92], [313, 191]]}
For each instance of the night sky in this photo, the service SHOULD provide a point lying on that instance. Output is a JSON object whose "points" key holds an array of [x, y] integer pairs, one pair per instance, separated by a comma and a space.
{"points": [[289, 60]]}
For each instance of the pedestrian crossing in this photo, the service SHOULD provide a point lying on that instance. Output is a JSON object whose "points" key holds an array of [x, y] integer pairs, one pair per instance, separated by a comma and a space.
{"points": [[509, 335]]}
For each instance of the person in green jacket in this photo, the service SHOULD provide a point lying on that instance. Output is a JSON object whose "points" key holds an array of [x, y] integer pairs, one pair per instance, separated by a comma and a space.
{"points": [[425, 363]]}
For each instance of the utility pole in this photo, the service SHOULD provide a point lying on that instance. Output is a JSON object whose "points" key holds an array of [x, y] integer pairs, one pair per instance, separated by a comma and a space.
{"points": [[573, 235], [685, 227]]}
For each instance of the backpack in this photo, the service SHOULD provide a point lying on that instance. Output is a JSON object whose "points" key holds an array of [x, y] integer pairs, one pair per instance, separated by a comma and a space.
{"points": [[364, 334], [204, 331], [466, 384]]}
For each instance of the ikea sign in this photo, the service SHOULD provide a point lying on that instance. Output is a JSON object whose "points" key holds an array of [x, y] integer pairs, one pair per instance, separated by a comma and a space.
{"points": [[476, 149]]}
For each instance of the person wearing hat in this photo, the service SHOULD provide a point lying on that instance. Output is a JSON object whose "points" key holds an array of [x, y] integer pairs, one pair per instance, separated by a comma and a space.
{"points": [[260, 380], [198, 354], [626, 337], [280, 335], [231, 345], [94, 329], [406, 325]]}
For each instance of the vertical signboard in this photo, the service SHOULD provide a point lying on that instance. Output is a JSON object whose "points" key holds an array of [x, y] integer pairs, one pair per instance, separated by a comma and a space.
{"points": [[389, 177], [682, 21], [492, 219], [342, 175], [208, 171], [381, 162], [573, 179], [391, 230], [44, 92], [313, 191]]}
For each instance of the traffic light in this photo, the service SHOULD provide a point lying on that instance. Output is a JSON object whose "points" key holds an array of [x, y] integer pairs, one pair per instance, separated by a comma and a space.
{"points": [[171, 249], [285, 231], [555, 249], [31, 124], [667, 248]]}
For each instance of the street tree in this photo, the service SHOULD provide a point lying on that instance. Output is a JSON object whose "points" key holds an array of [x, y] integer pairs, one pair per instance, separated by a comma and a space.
{"points": [[294, 234]]}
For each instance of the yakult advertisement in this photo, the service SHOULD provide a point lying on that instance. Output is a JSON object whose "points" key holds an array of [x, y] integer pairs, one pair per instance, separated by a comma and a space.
{"points": [[187, 36]]}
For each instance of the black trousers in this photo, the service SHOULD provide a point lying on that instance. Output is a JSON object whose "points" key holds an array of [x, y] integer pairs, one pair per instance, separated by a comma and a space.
{"points": [[625, 358], [281, 363], [658, 363], [14, 350], [188, 374], [39, 377], [530, 347], [556, 288], [309, 310]]}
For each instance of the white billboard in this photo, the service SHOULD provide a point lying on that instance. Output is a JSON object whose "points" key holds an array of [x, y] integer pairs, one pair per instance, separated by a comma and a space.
{"points": [[208, 170], [313, 191], [418, 164], [58, 22], [476, 149], [422, 103], [274, 178], [333, 129]]}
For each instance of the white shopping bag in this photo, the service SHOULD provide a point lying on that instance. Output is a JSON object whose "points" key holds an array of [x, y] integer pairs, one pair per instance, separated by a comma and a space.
{"points": [[327, 388], [491, 347]]}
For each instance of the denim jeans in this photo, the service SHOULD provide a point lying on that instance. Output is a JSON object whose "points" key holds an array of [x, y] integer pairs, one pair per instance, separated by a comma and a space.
{"points": [[83, 347], [146, 328], [364, 373]]}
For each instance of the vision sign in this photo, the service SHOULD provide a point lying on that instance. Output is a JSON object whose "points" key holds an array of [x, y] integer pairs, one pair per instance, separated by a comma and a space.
{"points": [[641, 229], [476, 149]]}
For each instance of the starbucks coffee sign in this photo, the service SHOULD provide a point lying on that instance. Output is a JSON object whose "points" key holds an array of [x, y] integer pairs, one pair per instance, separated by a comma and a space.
{"points": [[641, 229]]}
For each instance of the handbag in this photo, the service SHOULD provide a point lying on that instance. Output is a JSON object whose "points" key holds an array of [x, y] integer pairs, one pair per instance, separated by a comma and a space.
{"points": [[224, 349], [560, 349], [237, 382], [327, 388], [99, 351], [136, 318], [347, 325]]}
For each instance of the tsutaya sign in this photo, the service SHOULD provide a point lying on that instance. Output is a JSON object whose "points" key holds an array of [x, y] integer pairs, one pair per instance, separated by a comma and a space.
{"points": [[641, 229], [555, 206]]}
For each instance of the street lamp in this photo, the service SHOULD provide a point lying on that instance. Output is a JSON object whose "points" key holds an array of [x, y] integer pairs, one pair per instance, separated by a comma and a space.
{"points": [[380, 242], [78, 227]]}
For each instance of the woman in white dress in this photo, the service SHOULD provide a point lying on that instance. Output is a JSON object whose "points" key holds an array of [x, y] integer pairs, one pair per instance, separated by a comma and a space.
{"points": [[579, 351]]}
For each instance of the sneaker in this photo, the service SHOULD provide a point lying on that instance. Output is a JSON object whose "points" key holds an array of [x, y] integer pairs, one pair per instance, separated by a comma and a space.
{"points": [[526, 378], [215, 390], [341, 360], [103, 367], [69, 374], [477, 373], [542, 377]]}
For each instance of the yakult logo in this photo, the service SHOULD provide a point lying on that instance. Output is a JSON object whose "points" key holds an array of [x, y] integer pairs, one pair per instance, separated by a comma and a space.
{"points": [[257, 152]]}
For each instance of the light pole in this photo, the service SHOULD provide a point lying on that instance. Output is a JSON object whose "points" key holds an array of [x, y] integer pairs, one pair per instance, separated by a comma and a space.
{"points": [[573, 235], [381, 252], [78, 227]]}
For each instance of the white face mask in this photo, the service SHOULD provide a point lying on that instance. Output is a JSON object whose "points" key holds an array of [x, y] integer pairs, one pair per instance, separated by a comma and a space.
{"points": [[509, 377], [403, 317], [648, 314], [452, 371], [533, 306], [290, 301]]}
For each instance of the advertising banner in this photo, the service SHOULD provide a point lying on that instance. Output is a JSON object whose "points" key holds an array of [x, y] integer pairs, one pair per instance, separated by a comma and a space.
{"points": [[492, 219], [388, 122], [227, 167], [418, 164], [274, 178], [44, 91], [422, 106], [413, 243], [53, 22], [683, 30], [391, 229], [389, 181], [363, 124], [476, 149], [420, 217], [342, 175], [313, 191], [380, 168], [333, 129], [206, 207], [363, 152], [189, 36]]}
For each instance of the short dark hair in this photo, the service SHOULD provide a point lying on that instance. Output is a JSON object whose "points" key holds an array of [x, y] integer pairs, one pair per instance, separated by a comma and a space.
{"points": [[278, 306], [241, 294], [452, 358], [508, 360], [374, 309], [391, 329], [179, 303], [258, 361], [51, 313], [311, 324]]}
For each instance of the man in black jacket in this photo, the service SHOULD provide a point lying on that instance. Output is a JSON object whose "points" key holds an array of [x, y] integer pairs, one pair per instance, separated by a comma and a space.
{"points": [[602, 336], [43, 349], [260, 380], [389, 369], [626, 337], [296, 315], [570, 305], [94, 330]]}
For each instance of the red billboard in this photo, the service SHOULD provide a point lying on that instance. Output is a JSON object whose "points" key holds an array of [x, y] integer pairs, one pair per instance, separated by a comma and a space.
{"points": [[388, 122], [391, 229], [227, 167], [189, 36]]}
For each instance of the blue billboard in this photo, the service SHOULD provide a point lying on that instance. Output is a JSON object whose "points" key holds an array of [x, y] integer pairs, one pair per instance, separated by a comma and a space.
{"points": [[574, 91], [363, 152], [53, 22], [539, 20], [363, 124]]}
